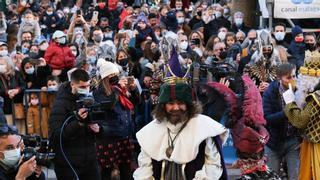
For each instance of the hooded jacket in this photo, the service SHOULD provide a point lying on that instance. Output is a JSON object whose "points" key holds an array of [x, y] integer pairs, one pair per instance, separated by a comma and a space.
{"points": [[59, 57]]}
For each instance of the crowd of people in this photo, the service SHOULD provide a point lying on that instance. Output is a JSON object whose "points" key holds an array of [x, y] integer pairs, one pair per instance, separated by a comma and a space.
{"points": [[117, 88]]}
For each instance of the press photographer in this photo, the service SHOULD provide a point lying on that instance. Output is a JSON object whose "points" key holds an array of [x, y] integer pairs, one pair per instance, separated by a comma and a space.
{"points": [[69, 127], [13, 165]]}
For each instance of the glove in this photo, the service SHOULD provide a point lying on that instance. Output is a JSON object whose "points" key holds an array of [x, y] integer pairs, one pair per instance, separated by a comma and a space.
{"points": [[288, 95]]}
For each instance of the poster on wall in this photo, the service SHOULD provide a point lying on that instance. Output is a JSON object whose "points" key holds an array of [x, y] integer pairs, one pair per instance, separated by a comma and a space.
{"points": [[297, 9]]}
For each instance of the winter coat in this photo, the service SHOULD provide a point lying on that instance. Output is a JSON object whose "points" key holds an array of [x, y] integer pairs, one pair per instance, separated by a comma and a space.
{"points": [[14, 82], [297, 51], [78, 141], [143, 34], [275, 116], [39, 78], [115, 119], [35, 123], [10, 174], [59, 57], [33, 27], [242, 28], [49, 20]]}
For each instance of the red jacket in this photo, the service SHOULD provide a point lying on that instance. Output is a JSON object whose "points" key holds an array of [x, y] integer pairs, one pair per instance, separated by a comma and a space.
{"points": [[59, 57]]}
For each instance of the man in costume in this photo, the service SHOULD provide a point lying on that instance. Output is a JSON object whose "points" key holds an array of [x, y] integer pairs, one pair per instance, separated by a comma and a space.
{"points": [[264, 62], [184, 144], [303, 111]]}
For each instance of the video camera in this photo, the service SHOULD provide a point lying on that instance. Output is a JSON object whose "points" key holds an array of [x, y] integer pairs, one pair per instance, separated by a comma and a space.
{"points": [[38, 147], [220, 70], [94, 108]]}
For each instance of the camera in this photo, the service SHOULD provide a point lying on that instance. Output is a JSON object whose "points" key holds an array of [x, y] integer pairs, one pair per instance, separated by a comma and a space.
{"points": [[220, 70], [95, 109], [38, 147]]}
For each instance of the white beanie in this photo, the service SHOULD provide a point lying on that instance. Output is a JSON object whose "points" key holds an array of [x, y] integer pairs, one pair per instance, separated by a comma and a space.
{"points": [[106, 68]]}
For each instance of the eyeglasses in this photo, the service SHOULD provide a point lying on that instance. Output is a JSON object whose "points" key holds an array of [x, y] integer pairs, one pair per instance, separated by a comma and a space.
{"points": [[5, 129]]}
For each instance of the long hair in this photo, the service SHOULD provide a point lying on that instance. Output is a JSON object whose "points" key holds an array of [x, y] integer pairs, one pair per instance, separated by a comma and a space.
{"points": [[160, 113], [106, 85]]}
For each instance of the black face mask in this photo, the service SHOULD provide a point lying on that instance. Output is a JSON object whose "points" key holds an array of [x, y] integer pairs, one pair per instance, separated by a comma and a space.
{"points": [[123, 62], [199, 13], [310, 46], [114, 80], [223, 54], [195, 41]]}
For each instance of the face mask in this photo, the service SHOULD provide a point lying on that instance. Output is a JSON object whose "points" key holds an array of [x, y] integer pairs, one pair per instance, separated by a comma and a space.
{"points": [[3, 69], [4, 53], [49, 13], [30, 70], [62, 40], [310, 46], [196, 41], [184, 45], [98, 38], [279, 36], [33, 55], [222, 35], [225, 11], [34, 102], [82, 91], [240, 41], [114, 80], [199, 13], [44, 46], [218, 14], [179, 8], [53, 88], [267, 55], [299, 39], [74, 53], [123, 62], [24, 50], [223, 54], [180, 20], [108, 35], [11, 157], [92, 59], [29, 21], [238, 21]]}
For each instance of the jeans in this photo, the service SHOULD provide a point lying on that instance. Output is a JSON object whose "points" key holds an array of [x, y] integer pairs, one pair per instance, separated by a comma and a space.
{"points": [[289, 151]]}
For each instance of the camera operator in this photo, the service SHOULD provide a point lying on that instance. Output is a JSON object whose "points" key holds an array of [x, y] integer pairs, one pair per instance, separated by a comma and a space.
{"points": [[11, 162], [77, 134]]}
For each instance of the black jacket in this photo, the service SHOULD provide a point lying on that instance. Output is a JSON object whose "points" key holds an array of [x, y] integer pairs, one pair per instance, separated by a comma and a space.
{"points": [[10, 174], [78, 141]]}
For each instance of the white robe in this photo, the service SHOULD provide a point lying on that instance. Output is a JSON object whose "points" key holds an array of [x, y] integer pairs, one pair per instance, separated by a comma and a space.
{"points": [[153, 139]]}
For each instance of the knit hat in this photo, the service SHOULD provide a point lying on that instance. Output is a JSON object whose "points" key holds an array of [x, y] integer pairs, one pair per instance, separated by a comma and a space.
{"points": [[179, 91], [171, 21], [296, 30], [142, 17], [106, 68]]}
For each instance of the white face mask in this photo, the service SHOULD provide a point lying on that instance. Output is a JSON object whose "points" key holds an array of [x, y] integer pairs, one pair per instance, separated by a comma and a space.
{"points": [[83, 91], [4, 53], [30, 70], [238, 21], [62, 40], [225, 11], [53, 88], [49, 13], [218, 14], [44, 46], [222, 35], [184, 45], [34, 102], [279, 36], [3, 69], [180, 20], [11, 157]]}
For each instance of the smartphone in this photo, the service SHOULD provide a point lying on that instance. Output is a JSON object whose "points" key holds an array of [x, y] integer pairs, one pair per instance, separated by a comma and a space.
{"points": [[95, 15], [78, 12]]}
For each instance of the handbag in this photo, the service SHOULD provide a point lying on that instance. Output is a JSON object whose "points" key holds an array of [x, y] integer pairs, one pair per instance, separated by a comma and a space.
{"points": [[19, 112]]}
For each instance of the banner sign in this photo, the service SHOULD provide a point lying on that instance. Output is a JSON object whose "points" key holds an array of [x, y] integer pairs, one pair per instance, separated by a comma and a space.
{"points": [[297, 9]]}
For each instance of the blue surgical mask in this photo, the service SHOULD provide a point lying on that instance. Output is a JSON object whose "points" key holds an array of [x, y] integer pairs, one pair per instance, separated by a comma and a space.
{"points": [[24, 50], [30, 70], [83, 91], [11, 157], [92, 59]]}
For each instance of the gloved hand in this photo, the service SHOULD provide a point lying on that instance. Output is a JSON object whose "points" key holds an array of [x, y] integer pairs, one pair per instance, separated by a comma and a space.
{"points": [[288, 95]]}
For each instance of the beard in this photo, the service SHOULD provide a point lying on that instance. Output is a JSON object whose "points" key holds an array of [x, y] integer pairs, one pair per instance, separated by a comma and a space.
{"points": [[177, 116]]}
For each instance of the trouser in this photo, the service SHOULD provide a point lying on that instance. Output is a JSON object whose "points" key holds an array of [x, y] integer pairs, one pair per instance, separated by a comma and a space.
{"points": [[289, 151], [90, 171], [125, 172]]}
